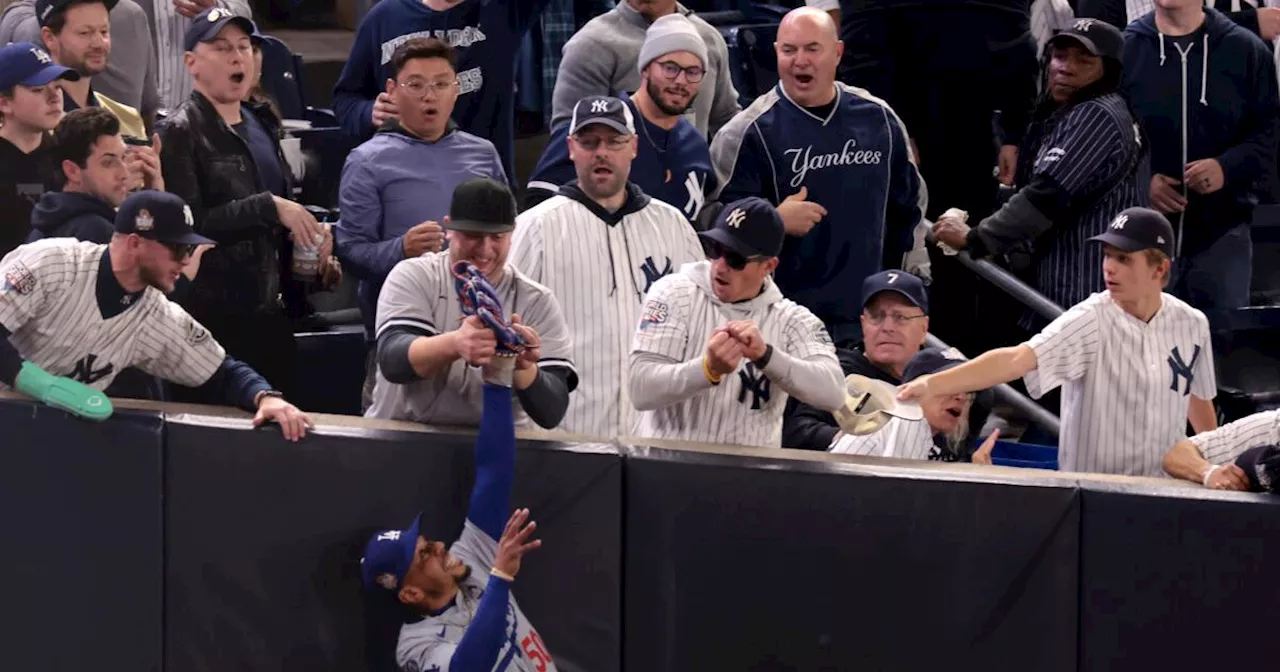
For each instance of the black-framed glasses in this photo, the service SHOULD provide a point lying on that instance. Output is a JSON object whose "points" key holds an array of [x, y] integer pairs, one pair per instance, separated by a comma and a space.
{"points": [[180, 251], [734, 260], [671, 70]]}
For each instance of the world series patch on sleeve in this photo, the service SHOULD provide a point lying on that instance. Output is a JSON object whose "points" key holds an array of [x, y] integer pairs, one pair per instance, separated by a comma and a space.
{"points": [[19, 278], [655, 312]]}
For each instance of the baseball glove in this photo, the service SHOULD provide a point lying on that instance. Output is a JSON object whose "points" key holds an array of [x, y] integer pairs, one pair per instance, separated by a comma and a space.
{"points": [[477, 297]]}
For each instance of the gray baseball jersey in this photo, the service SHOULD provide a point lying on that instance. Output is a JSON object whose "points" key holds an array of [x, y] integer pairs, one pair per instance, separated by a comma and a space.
{"points": [[1225, 443], [420, 293], [1126, 384], [681, 312], [429, 644], [49, 304], [901, 438], [601, 270]]}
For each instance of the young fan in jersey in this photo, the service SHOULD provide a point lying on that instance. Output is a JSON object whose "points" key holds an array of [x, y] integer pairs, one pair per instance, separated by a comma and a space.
{"points": [[1082, 164], [673, 162], [430, 353], [718, 350], [464, 616], [835, 162], [1135, 363], [599, 245], [73, 315], [1241, 455], [912, 432]]}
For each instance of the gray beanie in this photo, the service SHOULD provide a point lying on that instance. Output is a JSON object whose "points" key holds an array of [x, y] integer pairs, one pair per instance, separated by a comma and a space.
{"points": [[669, 33]]}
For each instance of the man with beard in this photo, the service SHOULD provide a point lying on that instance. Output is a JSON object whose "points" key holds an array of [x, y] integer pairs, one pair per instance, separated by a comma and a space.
{"points": [[673, 163], [1083, 164], [30, 107], [599, 245], [73, 315], [223, 157]]}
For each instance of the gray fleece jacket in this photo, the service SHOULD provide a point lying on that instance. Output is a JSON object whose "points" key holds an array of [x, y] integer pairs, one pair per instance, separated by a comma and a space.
{"points": [[600, 60]]}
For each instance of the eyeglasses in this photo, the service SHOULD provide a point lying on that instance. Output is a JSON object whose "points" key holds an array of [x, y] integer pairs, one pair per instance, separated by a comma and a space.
{"points": [[420, 88], [878, 318], [671, 70], [591, 143], [180, 251], [734, 260]]}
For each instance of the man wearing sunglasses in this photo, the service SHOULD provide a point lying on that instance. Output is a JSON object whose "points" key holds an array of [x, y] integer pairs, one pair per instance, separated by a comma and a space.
{"points": [[74, 314], [719, 350]]}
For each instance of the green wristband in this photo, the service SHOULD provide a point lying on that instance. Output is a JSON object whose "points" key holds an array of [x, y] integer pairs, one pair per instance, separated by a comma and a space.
{"points": [[64, 393]]}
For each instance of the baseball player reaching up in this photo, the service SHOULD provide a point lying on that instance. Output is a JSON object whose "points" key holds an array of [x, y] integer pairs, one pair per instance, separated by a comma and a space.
{"points": [[1135, 363], [1227, 457], [717, 336], [464, 615], [74, 314]]}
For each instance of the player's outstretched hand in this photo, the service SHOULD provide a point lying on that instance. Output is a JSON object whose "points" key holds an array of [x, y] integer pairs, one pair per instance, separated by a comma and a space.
{"points": [[983, 454], [532, 344], [915, 390], [724, 353], [475, 342], [748, 334], [293, 422], [1228, 477], [515, 542]]}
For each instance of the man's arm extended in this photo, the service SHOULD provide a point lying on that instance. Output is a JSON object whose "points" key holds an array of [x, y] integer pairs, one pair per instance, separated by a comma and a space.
{"points": [[988, 370]]}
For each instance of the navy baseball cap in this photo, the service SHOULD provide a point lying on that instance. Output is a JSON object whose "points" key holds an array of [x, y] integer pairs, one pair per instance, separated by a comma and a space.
{"points": [[751, 227], [931, 360], [207, 24], [606, 110], [46, 8], [29, 65], [1262, 466], [1137, 229], [158, 216], [1096, 36], [388, 556], [902, 282]]}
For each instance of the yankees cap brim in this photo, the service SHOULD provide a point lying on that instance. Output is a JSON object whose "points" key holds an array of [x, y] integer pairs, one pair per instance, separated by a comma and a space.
{"points": [[1088, 44], [1122, 242], [603, 121], [726, 239]]}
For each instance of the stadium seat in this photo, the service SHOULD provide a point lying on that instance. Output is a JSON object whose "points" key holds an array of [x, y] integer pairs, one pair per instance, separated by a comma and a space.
{"points": [[752, 62], [282, 77]]}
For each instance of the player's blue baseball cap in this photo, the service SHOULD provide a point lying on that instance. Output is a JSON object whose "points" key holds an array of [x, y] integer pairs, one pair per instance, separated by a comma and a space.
{"points": [[29, 65], [900, 282], [1262, 466], [207, 24], [388, 556], [750, 227], [159, 216], [1138, 229], [931, 360]]}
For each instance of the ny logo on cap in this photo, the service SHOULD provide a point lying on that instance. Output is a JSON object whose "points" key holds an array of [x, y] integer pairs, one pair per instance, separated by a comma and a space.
{"points": [[144, 221], [215, 14], [1083, 25], [600, 106], [1120, 222], [40, 54], [735, 218], [186, 215]]}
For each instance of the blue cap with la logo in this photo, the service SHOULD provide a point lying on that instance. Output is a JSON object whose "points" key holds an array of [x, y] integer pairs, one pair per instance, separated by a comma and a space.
{"points": [[28, 65]]}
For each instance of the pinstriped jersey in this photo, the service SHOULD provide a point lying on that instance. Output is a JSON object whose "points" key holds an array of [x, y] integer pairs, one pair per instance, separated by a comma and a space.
{"points": [[680, 314], [1126, 383], [420, 294], [49, 304], [600, 271], [900, 437], [1225, 443]]}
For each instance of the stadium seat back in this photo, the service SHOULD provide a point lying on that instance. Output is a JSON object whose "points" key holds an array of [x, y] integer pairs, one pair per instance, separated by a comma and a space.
{"points": [[282, 77]]}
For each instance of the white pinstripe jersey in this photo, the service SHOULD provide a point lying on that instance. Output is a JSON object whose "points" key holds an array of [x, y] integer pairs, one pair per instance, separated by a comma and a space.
{"points": [[901, 438], [1225, 443], [49, 304], [680, 313], [1126, 384], [600, 271], [420, 293]]}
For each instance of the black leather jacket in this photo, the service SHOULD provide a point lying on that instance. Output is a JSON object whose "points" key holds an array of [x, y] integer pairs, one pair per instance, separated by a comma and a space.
{"points": [[212, 169]]}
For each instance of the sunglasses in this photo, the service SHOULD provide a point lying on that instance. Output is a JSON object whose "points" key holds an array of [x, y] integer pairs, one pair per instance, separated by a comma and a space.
{"points": [[180, 251], [734, 260]]}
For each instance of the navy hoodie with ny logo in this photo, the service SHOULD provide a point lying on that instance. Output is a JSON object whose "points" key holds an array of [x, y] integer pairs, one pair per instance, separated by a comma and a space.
{"points": [[1218, 100]]}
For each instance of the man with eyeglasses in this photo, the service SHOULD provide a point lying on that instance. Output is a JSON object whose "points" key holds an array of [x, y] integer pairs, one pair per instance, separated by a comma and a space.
{"points": [[719, 350], [673, 162], [397, 186], [74, 314], [599, 245]]}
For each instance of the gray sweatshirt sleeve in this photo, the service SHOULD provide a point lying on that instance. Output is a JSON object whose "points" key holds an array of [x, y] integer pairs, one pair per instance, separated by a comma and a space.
{"points": [[817, 380], [656, 382], [19, 24], [586, 70], [724, 105]]}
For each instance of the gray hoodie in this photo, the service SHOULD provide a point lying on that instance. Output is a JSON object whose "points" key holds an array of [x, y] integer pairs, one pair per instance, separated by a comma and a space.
{"points": [[601, 60]]}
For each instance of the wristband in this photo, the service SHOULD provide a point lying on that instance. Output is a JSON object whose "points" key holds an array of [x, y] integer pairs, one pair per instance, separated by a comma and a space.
{"points": [[706, 371], [764, 359], [1209, 472], [502, 575]]}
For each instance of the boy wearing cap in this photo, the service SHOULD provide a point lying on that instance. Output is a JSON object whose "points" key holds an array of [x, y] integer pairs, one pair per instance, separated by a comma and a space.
{"points": [[30, 107], [716, 337], [673, 161], [73, 315], [1229, 457], [1081, 164], [430, 354], [1135, 364]]}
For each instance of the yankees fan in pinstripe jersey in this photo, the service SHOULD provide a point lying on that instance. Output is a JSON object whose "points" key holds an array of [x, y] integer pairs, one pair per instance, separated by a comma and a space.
{"points": [[79, 313], [599, 245], [1082, 164], [1206, 458], [719, 350], [1135, 363]]}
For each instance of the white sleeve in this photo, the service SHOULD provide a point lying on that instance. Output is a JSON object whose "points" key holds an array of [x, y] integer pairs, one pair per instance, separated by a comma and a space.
{"points": [[1065, 349], [174, 346], [407, 298], [32, 278], [1204, 385], [1225, 443], [866, 444], [526, 247], [663, 328], [805, 337], [425, 653]]}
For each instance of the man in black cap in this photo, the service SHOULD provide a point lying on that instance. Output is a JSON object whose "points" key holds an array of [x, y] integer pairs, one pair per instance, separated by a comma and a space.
{"points": [[431, 355], [1135, 363], [717, 336], [1242, 455], [1080, 165], [72, 309]]}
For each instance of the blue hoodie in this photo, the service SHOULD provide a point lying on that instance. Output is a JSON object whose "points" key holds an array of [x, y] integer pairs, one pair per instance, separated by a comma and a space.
{"points": [[1231, 109]]}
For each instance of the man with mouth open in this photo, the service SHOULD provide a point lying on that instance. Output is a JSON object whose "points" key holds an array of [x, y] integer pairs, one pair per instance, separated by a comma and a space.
{"points": [[1135, 363], [718, 350]]}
